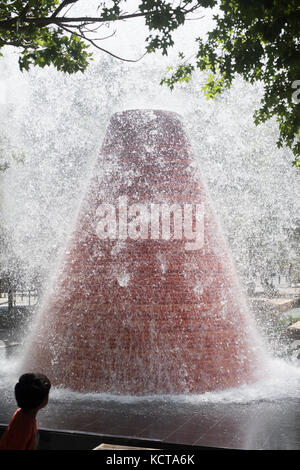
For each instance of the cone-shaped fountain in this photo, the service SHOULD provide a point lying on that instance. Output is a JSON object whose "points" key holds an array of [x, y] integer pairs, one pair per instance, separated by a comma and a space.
{"points": [[147, 300]]}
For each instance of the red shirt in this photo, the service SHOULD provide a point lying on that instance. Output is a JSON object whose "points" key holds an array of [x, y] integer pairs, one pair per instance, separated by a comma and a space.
{"points": [[21, 433]]}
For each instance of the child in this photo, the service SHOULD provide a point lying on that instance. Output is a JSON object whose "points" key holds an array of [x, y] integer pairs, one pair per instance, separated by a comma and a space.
{"points": [[31, 392]]}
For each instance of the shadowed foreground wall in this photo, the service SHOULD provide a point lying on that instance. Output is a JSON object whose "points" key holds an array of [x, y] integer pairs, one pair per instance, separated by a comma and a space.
{"points": [[145, 315]]}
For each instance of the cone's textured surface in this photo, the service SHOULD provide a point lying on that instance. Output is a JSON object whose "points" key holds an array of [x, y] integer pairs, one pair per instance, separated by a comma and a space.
{"points": [[135, 312]]}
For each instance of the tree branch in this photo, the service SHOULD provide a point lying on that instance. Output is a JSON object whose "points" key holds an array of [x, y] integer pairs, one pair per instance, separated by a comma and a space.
{"points": [[41, 22], [62, 6], [82, 36]]}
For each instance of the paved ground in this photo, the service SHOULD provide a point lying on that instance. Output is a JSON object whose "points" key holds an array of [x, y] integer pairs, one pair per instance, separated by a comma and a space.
{"points": [[256, 425]]}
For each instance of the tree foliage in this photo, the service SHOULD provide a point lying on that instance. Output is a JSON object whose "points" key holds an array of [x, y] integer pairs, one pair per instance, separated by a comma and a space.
{"points": [[257, 40], [9, 153], [47, 33]]}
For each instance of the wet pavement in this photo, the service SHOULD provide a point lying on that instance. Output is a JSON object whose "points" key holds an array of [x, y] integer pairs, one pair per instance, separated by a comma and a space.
{"points": [[266, 425]]}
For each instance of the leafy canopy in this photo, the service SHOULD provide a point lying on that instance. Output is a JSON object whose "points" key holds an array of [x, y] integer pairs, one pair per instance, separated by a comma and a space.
{"points": [[258, 40]]}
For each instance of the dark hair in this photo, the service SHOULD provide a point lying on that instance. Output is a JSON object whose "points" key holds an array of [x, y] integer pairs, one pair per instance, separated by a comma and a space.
{"points": [[31, 390]]}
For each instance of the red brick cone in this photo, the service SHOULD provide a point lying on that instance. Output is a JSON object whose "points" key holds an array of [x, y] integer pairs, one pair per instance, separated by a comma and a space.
{"points": [[145, 316]]}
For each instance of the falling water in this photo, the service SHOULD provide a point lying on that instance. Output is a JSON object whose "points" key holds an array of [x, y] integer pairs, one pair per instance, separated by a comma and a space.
{"points": [[58, 123]]}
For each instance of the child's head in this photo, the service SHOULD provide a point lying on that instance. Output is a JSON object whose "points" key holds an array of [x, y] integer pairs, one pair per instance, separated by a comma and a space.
{"points": [[32, 391]]}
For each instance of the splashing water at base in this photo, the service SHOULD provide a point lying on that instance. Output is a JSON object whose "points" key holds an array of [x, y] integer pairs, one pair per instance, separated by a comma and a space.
{"points": [[282, 382]]}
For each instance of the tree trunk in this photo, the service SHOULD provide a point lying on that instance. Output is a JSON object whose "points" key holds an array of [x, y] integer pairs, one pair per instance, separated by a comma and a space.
{"points": [[10, 300]]}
